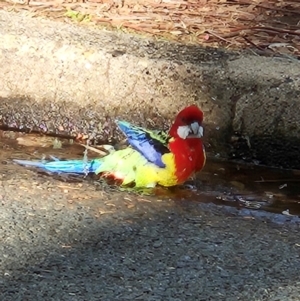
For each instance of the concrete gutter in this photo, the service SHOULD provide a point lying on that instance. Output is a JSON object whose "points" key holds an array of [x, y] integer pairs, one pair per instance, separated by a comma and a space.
{"points": [[68, 79]]}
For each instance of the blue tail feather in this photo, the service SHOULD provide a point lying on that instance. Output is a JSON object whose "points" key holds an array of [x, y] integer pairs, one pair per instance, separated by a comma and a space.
{"points": [[68, 166]]}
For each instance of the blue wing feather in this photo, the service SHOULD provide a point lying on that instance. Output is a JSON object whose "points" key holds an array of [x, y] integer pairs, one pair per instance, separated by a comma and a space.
{"points": [[148, 143]]}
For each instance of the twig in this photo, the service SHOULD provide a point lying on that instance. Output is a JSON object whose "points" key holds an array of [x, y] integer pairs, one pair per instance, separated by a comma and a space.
{"points": [[256, 46], [265, 28], [266, 7], [277, 181], [98, 151], [217, 36]]}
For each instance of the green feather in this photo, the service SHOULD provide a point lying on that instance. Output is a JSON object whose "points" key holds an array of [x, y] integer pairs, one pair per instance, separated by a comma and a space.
{"points": [[161, 136]]}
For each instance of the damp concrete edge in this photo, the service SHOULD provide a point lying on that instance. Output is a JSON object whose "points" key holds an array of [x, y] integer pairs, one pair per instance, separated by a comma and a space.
{"points": [[65, 78]]}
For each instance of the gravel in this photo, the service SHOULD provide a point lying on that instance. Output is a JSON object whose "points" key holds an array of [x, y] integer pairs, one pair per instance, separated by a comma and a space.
{"points": [[74, 241]]}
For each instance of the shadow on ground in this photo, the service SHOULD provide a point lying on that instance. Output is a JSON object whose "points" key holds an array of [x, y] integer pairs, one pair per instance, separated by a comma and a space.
{"points": [[65, 241]]}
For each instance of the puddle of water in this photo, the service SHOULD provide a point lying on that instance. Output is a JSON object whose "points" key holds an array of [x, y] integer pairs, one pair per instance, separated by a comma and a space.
{"points": [[256, 187], [222, 183]]}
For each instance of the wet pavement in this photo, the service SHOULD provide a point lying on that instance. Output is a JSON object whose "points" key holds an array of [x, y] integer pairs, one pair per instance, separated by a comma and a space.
{"points": [[230, 234], [233, 184]]}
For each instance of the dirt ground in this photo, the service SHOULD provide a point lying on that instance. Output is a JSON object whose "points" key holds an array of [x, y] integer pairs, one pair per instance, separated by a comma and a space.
{"points": [[266, 27]]}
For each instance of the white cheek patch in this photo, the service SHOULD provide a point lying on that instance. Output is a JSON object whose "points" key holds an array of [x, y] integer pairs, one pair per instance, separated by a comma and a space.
{"points": [[183, 131], [190, 131]]}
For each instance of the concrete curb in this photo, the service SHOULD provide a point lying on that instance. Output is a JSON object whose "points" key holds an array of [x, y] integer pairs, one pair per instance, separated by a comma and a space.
{"points": [[69, 79]]}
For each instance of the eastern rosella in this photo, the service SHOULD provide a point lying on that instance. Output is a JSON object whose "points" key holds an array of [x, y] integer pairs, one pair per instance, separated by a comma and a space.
{"points": [[152, 157]]}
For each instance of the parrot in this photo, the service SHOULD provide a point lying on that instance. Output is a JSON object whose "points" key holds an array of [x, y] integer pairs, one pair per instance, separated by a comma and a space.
{"points": [[151, 158]]}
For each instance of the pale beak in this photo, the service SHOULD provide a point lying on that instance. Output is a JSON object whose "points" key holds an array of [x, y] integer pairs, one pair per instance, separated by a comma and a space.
{"points": [[196, 130]]}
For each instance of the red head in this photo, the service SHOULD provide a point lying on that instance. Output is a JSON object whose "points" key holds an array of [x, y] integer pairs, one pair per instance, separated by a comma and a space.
{"points": [[187, 146], [188, 123]]}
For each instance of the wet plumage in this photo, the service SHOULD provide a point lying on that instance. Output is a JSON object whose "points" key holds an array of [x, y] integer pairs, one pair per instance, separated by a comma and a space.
{"points": [[153, 157]]}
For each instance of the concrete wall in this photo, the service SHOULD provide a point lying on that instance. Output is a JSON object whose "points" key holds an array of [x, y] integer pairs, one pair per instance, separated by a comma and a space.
{"points": [[68, 79]]}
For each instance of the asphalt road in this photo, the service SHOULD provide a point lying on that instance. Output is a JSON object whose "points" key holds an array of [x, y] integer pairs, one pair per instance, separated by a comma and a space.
{"points": [[78, 241]]}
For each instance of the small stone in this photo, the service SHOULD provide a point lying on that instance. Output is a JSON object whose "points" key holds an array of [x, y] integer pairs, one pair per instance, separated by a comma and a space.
{"points": [[157, 244]]}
